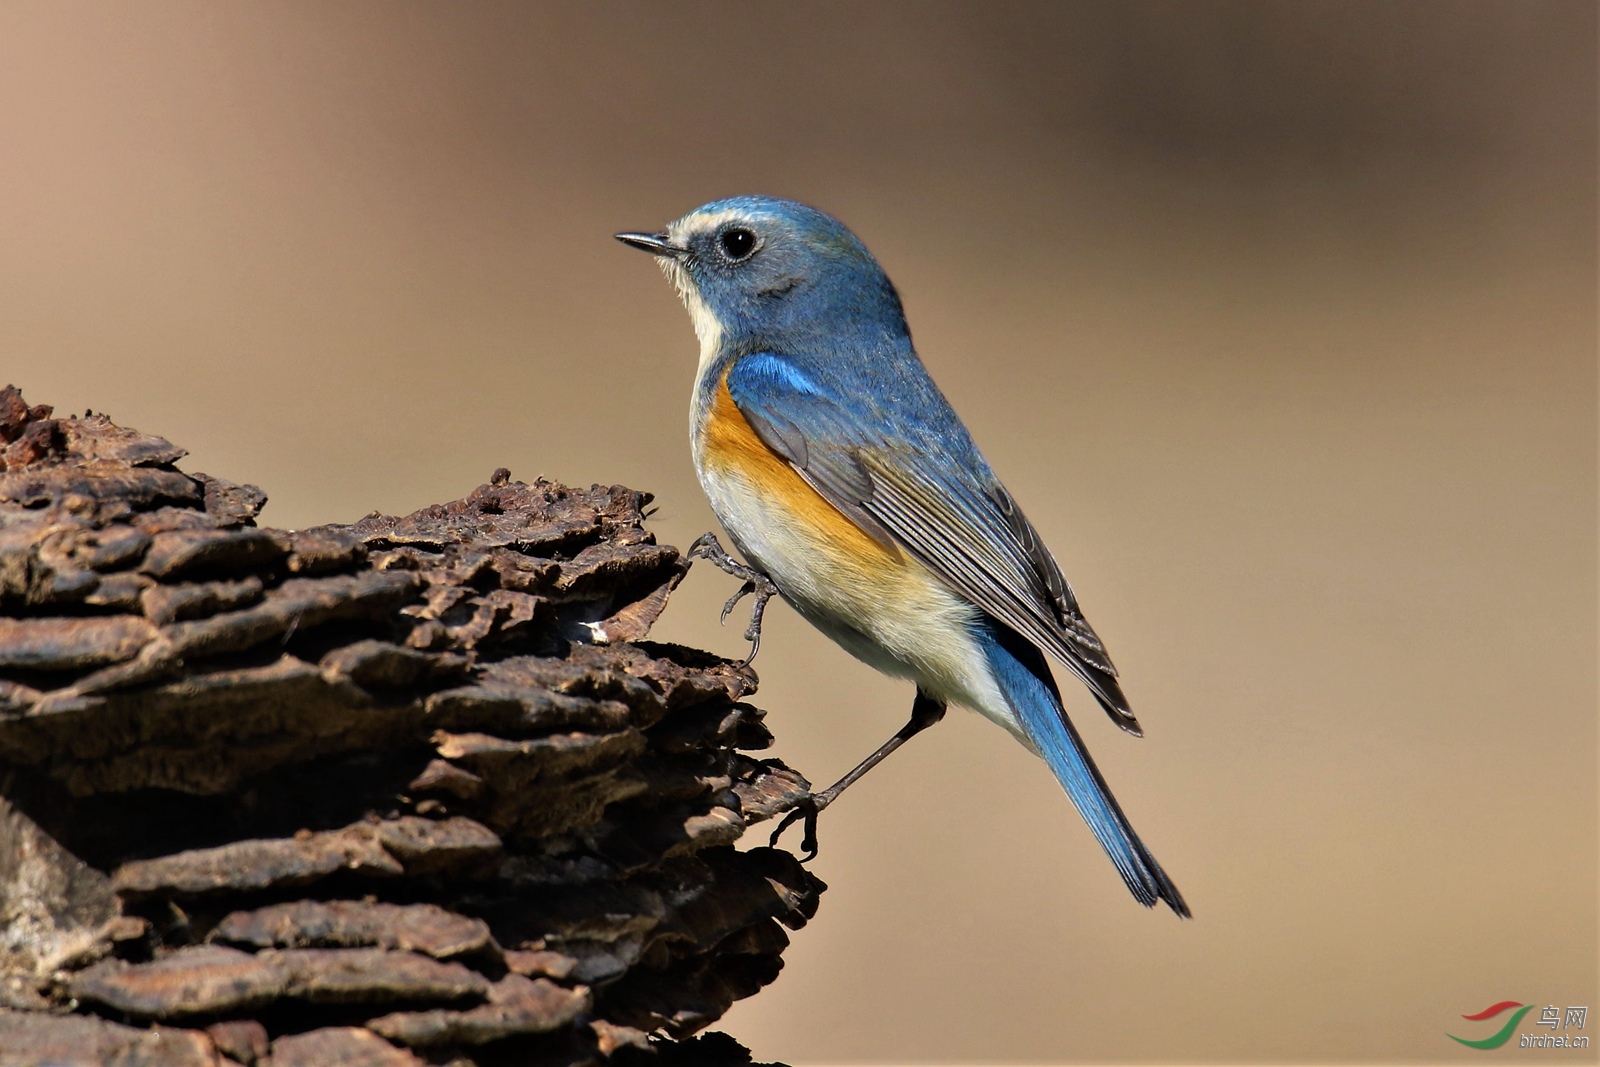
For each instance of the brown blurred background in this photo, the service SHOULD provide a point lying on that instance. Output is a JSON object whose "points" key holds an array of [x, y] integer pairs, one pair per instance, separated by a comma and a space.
{"points": [[1279, 318]]}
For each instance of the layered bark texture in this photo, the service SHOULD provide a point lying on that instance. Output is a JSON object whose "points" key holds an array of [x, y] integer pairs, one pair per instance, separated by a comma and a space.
{"points": [[411, 790]]}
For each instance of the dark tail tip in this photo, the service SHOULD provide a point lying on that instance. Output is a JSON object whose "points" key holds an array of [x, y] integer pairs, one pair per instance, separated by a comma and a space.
{"points": [[1174, 899], [1159, 887]]}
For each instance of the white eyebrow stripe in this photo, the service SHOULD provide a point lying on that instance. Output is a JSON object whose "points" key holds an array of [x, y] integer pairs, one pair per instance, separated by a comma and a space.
{"points": [[696, 223]]}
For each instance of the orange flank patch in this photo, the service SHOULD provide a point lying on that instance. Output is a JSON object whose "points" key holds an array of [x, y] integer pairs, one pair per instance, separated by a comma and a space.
{"points": [[731, 445]]}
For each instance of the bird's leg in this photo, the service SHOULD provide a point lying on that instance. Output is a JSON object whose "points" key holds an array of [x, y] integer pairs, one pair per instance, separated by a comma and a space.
{"points": [[708, 548], [924, 713]]}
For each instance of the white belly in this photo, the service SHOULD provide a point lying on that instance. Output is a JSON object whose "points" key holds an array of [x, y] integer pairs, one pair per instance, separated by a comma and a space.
{"points": [[900, 619]]}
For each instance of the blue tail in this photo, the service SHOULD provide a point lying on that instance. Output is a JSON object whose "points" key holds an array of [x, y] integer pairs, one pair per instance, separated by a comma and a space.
{"points": [[1025, 679]]}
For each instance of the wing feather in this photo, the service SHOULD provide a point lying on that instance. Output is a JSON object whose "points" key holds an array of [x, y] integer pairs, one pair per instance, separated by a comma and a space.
{"points": [[950, 514]]}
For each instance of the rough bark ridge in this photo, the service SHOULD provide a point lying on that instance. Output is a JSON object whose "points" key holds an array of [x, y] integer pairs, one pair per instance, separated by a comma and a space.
{"points": [[413, 790]]}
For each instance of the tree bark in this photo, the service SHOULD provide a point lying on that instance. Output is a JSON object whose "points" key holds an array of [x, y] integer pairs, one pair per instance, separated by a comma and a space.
{"points": [[411, 790]]}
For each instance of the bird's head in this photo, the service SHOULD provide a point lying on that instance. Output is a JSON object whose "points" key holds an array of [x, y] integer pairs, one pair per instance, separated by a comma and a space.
{"points": [[757, 272]]}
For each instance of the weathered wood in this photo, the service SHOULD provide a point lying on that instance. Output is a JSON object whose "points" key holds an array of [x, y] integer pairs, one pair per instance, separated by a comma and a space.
{"points": [[411, 790]]}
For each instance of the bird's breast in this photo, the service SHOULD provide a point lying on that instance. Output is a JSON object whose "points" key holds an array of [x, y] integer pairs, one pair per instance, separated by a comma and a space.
{"points": [[771, 510], [880, 604]]}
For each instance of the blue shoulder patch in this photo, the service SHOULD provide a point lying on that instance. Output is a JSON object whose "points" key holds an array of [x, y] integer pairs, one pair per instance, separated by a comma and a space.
{"points": [[763, 371]]}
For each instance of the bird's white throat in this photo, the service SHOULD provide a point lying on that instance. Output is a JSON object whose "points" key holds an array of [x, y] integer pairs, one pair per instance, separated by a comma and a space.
{"points": [[706, 326]]}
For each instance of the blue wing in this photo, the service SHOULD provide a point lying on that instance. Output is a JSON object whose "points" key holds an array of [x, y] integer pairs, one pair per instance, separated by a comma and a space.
{"points": [[895, 458]]}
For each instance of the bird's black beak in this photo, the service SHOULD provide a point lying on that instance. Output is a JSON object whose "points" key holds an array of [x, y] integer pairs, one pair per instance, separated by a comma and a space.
{"points": [[656, 244]]}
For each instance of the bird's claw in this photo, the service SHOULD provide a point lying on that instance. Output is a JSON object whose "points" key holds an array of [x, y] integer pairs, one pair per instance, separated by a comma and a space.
{"points": [[764, 591], [806, 808], [727, 609], [708, 548]]}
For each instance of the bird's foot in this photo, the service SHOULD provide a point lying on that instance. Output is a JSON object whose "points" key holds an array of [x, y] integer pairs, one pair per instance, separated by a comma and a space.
{"points": [[708, 548], [805, 808]]}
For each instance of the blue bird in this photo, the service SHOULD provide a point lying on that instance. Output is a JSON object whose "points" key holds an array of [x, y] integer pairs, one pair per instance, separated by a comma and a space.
{"points": [[847, 481]]}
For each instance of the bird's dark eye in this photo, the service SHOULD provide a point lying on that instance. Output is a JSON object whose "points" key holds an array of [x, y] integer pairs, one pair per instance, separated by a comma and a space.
{"points": [[737, 243]]}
